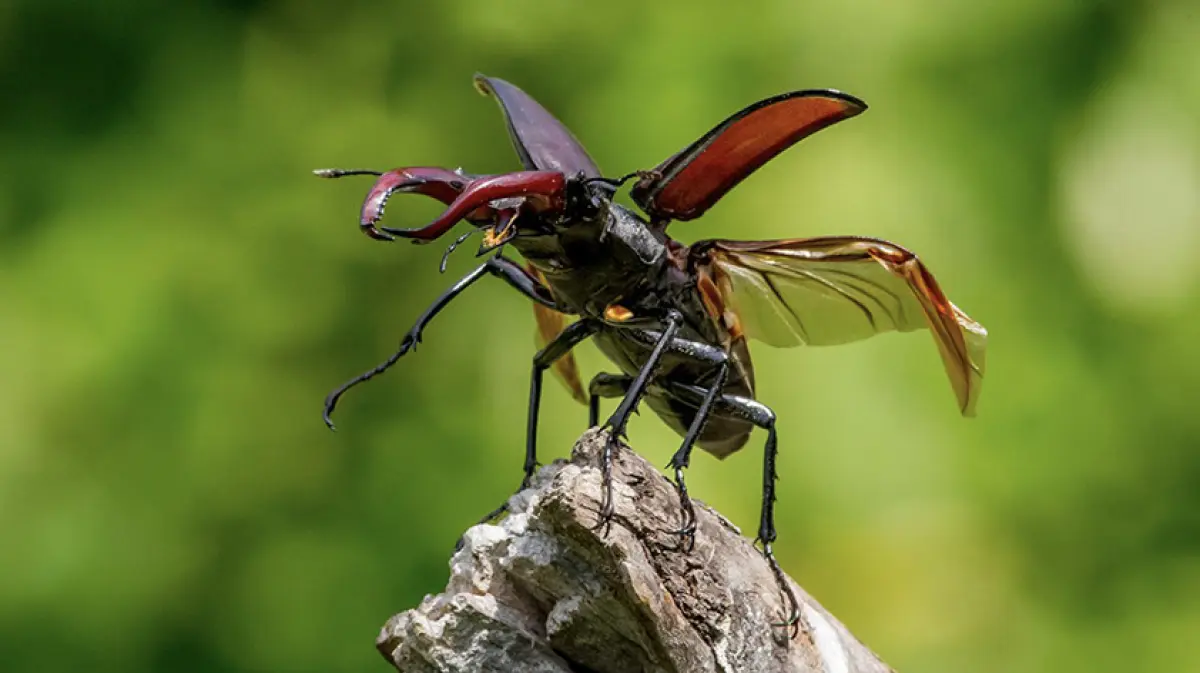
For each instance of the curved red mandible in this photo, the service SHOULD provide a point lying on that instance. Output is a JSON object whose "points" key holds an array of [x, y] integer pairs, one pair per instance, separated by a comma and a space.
{"points": [[543, 191], [439, 183]]}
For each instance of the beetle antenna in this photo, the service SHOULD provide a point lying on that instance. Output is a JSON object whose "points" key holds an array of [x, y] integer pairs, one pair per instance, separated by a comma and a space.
{"points": [[458, 241], [616, 183], [611, 182], [342, 172]]}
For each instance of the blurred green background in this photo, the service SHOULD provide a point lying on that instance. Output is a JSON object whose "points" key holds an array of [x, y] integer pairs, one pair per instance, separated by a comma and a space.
{"points": [[178, 294]]}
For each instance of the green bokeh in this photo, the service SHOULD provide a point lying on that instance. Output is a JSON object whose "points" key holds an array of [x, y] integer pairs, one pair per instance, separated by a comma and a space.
{"points": [[177, 295]]}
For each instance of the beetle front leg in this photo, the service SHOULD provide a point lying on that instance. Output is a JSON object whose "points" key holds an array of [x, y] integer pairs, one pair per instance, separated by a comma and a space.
{"points": [[506, 269]]}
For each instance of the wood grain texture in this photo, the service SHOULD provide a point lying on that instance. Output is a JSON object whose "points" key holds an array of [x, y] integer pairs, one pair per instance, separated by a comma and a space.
{"points": [[545, 592]]}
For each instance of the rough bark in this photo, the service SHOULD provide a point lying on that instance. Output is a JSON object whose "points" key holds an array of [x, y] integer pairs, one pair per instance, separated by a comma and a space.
{"points": [[545, 592]]}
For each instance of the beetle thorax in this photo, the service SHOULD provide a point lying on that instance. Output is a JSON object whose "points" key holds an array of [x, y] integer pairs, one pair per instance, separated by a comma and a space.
{"points": [[599, 261]]}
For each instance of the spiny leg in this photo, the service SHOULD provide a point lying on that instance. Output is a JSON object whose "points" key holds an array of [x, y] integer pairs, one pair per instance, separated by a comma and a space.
{"points": [[766, 533], [506, 269], [760, 415], [620, 418], [719, 359], [682, 457], [570, 337], [605, 385], [560, 346]]}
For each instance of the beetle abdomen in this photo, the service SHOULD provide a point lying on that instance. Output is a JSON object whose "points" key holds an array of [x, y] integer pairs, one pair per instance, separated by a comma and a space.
{"points": [[722, 434]]}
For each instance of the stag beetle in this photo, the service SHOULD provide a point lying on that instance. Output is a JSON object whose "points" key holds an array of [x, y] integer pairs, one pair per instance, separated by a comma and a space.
{"points": [[674, 319]]}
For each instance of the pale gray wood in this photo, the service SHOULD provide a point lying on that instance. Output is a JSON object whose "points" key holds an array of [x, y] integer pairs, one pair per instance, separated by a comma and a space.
{"points": [[545, 593]]}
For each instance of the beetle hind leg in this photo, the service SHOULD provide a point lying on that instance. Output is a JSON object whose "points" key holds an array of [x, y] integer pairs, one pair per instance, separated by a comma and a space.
{"points": [[761, 416], [766, 534], [682, 457]]}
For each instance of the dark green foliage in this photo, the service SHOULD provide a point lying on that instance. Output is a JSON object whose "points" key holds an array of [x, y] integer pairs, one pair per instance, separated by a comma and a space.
{"points": [[177, 295]]}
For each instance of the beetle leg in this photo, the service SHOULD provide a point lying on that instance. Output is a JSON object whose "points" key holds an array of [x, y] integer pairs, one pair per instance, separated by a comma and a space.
{"points": [[697, 350], [542, 191], [682, 458], [620, 418], [506, 269], [766, 532], [665, 341], [605, 385], [570, 337], [760, 415]]}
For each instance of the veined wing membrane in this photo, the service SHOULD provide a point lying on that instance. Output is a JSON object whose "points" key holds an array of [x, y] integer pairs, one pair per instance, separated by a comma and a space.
{"points": [[835, 290]]}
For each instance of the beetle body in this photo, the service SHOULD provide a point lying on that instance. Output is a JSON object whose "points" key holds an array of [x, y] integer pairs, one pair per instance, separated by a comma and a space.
{"points": [[609, 256], [674, 320], [594, 262]]}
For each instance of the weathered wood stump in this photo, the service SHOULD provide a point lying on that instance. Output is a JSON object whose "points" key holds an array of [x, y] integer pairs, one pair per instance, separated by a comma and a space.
{"points": [[545, 591]]}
